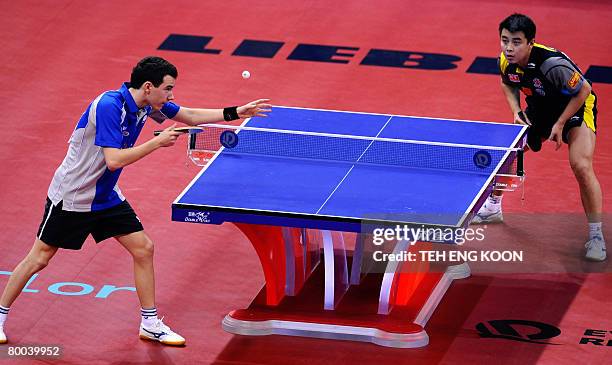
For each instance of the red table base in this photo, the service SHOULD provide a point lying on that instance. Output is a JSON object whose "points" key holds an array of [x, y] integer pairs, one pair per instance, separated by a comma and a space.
{"points": [[356, 316]]}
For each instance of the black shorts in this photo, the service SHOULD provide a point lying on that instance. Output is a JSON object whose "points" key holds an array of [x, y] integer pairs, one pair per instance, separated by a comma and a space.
{"points": [[69, 230], [543, 120]]}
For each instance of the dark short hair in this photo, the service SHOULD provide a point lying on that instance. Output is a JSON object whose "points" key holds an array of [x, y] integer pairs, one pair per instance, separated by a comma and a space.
{"points": [[152, 69], [519, 23]]}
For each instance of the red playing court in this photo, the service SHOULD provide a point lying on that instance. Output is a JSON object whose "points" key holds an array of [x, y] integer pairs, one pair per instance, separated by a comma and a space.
{"points": [[60, 55]]}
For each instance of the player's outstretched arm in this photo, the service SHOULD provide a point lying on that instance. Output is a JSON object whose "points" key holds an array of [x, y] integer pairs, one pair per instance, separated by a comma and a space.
{"points": [[194, 116]]}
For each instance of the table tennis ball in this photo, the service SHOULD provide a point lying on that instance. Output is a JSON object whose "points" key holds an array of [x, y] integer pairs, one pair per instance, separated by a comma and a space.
{"points": [[246, 74]]}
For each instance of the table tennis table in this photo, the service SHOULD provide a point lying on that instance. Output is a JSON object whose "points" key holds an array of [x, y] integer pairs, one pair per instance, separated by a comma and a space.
{"points": [[293, 194]]}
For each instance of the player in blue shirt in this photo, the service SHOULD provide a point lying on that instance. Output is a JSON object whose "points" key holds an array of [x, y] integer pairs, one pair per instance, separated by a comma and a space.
{"points": [[84, 197]]}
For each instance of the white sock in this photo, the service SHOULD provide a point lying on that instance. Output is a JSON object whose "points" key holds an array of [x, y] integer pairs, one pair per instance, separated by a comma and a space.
{"points": [[149, 316], [595, 230], [3, 314], [495, 199]]}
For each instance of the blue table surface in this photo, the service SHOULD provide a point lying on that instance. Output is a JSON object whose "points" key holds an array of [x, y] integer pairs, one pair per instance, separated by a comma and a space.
{"points": [[327, 188]]}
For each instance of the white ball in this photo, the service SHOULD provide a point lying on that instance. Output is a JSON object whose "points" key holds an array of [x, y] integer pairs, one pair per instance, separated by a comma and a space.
{"points": [[246, 74]]}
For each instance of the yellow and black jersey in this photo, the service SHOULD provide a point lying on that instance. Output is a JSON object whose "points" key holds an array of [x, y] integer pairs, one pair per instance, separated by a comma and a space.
{"points": [[549, 80]]}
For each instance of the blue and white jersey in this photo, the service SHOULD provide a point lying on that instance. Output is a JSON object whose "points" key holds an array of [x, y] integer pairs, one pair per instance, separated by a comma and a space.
{"points": [[113, 119]]}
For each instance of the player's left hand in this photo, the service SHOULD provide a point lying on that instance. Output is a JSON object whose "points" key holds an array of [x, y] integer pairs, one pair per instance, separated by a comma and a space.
{"points": [[256, 108], [555, 135]]}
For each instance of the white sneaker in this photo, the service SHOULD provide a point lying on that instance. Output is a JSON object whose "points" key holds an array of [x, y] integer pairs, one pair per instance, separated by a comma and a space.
{"points": [[488, 213], [162, 333], [2, 336], [595, 249]]}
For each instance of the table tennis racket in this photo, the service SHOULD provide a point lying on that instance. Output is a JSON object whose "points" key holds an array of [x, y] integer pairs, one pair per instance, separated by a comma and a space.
{"points": [[183, 130]]}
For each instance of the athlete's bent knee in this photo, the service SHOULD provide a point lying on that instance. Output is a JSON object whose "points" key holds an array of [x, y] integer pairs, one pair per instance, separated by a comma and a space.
{"points": [[583, 169], [35, 263], [144, 249]]}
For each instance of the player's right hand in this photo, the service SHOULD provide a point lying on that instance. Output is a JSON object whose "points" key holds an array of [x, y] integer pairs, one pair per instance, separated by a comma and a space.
{"points": [[521, 118], [168, 136]]}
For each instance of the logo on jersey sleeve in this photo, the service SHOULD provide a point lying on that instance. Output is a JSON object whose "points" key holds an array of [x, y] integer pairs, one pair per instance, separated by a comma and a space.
{"points": [[574, 80]]}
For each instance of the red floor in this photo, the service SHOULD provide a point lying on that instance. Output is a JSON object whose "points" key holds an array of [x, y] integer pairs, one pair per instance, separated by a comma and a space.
{"points": [[60, 55]]}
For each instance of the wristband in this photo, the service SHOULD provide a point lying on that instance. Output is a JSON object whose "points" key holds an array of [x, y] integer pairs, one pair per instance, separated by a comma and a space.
{"points": [[230, 113]]}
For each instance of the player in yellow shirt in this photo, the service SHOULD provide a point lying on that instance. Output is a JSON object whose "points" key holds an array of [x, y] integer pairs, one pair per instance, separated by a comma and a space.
{"points": [[561, 107]]}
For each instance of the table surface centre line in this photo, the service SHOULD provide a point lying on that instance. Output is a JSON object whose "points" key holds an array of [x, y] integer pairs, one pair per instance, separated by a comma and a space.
{"points": [[353, 166]]}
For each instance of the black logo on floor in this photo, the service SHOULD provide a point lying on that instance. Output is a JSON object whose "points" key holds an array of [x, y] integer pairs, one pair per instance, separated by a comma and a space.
{"points": [[518, 330], [597, 338], [344, 54]]}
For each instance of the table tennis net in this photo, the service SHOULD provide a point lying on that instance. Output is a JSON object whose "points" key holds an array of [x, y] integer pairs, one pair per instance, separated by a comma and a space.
{"points": [[351, 149]]}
